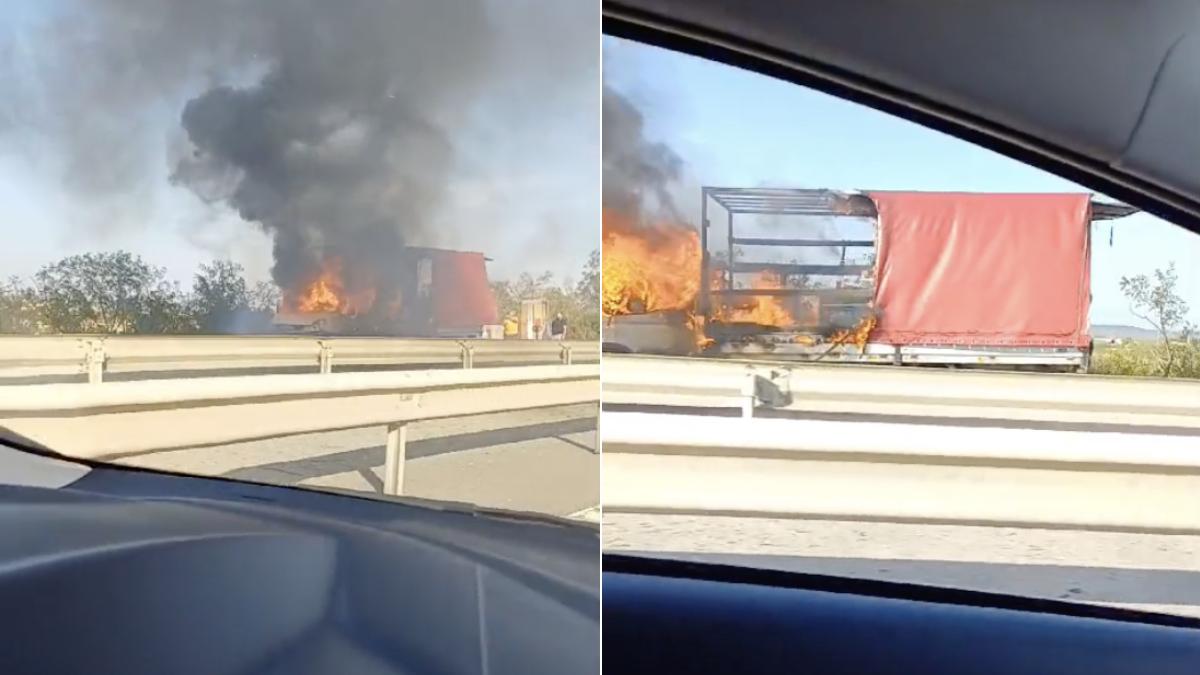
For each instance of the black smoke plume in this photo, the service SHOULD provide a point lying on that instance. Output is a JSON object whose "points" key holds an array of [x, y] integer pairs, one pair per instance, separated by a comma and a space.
{"points": [[326, 124], [337, 150], [639, 175]]}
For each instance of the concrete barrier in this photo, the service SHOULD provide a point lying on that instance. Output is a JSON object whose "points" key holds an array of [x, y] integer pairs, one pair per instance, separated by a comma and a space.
{"points": [[665, 463], [96, 356], [124, 418]]}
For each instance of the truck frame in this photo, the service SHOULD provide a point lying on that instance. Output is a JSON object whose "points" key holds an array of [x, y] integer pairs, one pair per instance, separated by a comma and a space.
{"points": [[841, 303]]}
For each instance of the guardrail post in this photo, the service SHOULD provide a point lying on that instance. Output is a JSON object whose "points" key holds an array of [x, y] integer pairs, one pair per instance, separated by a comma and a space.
{"points": [[468, 355], [393, 466], [325, 358], [565, 354], [749, 394], [596, 439], [93, 362]]}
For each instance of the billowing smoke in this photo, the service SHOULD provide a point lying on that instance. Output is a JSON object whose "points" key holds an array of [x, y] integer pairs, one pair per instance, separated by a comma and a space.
{"points": [[639, 175], [337, 149], [651, 258], [648, 184], [650, 194], [332, 126]]}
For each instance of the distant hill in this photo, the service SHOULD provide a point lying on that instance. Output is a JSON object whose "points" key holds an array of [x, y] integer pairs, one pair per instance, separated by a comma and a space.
{"points": [[1103, 331]]}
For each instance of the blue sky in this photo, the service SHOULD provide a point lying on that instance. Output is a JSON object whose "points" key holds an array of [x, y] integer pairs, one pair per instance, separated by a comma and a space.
{"points": [[737, 128], [529, 186]]}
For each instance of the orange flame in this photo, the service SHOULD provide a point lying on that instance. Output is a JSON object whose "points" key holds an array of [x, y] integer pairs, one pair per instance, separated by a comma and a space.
{"points": [[648, 269], [859, 335], [695, 323], [328, 293], [766, 310], [656, 268]]}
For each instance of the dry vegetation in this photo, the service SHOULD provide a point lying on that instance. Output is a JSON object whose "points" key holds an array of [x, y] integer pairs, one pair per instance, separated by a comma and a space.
{"points": [[1147, 359]]}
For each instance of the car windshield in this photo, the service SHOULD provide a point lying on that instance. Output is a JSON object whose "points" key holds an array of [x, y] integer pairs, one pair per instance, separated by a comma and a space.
{"points": [[962, 370], [329, 245]]}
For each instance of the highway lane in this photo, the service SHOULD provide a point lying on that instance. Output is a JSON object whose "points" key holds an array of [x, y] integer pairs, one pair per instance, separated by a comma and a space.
{"points": [[1150, 572], [1153, 572], [537, 460]]}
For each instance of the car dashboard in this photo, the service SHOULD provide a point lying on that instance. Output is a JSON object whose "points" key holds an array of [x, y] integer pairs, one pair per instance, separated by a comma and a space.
{"points": [[668, 616]]}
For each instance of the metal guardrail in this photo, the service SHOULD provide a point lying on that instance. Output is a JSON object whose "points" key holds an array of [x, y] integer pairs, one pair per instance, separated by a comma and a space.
{"points": [[125, 418], [1013, 449], [875, 353], [97, 355], [757, 387], [900, 472]]}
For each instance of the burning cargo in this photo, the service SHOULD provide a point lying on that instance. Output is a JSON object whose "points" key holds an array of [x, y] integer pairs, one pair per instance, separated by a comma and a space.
{"points": [[428, 293], [922, 278]]}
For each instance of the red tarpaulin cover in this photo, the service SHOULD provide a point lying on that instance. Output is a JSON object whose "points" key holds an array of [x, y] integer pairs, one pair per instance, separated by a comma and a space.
{"points": [[983, 269], [463, 298]]}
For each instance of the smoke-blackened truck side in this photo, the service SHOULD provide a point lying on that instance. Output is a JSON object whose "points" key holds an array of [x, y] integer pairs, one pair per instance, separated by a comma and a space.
{"points": [[439, 293]]}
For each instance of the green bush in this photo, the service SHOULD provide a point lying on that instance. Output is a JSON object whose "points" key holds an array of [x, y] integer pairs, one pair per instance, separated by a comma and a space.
{"points": [[578, 302], [1147, 359]]}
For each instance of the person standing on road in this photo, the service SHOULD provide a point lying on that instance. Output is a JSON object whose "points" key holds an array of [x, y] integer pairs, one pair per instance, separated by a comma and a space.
{"points": [[558, 327]]}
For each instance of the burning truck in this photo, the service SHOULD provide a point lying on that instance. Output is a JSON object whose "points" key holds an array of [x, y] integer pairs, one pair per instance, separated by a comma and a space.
{"points": [[428, 293], [921, 278]]}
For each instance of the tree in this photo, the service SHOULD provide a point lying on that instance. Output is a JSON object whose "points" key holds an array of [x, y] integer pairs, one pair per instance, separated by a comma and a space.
{"points": [[264, 298], [165, 309], [18, 308], [108, 293], [509, 294], [579, 303], [589, 283], [219, 294], [1156, 302], [583, 317], [586, 320]]}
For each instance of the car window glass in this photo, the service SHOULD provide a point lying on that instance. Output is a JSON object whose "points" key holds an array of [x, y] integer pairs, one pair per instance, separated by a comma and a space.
{"points": [[216, 194], [751, 220]]}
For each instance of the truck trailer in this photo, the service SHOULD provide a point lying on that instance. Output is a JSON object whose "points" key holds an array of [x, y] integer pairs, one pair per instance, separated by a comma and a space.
{"points": [[441, 294], [925, 278]]}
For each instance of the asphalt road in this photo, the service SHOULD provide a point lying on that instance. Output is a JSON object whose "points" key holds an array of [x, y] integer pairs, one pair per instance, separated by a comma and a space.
{"points": [[536, 460], [1150, 572]]}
